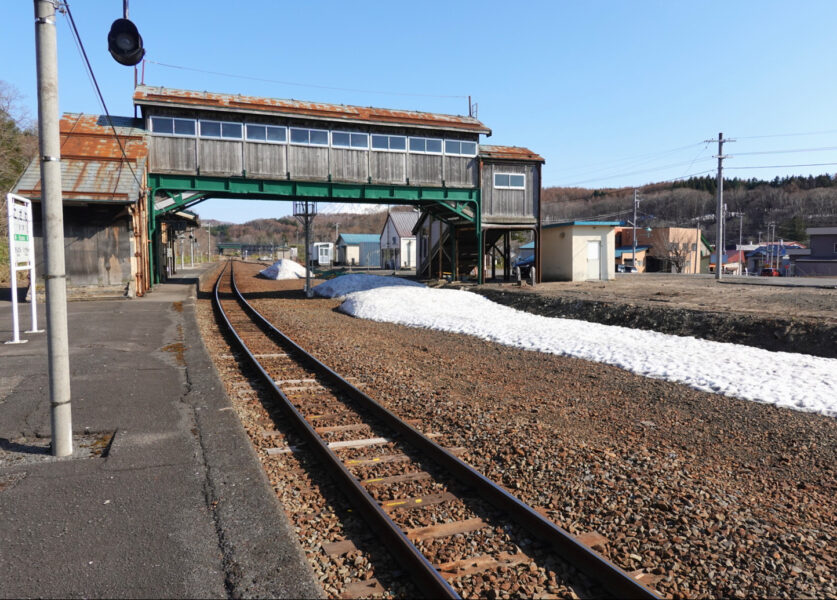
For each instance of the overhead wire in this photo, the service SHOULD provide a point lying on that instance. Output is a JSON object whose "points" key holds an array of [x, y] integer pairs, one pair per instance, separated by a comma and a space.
{"points": [[92, 76], [308, 85]]}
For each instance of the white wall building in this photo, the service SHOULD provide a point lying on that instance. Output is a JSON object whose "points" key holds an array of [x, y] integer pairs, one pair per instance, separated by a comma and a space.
{"points": [[578, 251], [398, 243]]}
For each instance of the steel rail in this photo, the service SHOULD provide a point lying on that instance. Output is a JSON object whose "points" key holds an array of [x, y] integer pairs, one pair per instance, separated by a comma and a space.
{"points": [[426, 576], [611, 577]]}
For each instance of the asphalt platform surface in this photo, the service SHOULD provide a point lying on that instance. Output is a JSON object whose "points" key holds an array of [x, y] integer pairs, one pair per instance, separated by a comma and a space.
{"points": [[164, 495]]}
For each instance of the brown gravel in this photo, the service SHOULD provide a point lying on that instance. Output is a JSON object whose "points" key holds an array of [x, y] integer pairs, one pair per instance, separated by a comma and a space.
{"points": [[717, 497]]}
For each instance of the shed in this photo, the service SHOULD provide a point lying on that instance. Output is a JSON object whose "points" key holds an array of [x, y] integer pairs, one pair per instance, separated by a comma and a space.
{"points": [[103, 192], [578, 251], [361, 249], [398, 242]]}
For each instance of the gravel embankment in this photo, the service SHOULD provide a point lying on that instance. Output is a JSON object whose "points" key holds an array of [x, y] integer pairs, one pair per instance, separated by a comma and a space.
{"points": [[718, 497]]}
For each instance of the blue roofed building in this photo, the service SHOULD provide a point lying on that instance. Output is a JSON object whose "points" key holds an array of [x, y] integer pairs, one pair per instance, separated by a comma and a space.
{"points": [[359, 249]]}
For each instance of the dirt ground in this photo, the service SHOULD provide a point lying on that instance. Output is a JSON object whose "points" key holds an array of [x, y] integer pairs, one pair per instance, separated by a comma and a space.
{"points": [[704, 293]]}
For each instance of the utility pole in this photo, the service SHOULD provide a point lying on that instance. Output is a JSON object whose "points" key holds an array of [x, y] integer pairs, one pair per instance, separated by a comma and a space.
{"points": [[53, 217], [719, 210], [636, 204]]}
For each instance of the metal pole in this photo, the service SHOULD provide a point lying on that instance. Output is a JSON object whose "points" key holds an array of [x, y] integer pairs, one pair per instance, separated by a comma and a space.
{"points": [[634, 254], [53, 217], [719, 244], [308, 292], [191, 251]]}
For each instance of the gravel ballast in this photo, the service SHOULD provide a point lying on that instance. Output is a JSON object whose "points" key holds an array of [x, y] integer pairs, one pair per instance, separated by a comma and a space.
{"points": [[713, 496]]}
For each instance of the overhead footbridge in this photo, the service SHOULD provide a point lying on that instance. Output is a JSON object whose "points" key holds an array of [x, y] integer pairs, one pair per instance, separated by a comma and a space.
{"points": [[206, 145]]}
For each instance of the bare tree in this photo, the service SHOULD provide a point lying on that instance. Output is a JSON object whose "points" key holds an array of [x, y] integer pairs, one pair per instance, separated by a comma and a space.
{"points": [[674, 255]]}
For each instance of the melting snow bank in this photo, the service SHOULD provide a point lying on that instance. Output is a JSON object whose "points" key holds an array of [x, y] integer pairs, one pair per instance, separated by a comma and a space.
{"points": [[357, 282], [798, 381], [283, 269]]}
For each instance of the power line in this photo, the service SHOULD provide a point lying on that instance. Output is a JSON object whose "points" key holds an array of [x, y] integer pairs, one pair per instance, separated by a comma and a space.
{"points": [[776, 135], [785, 166], [633, 160], [822, 149], [92, 76], [308, 85], [669, 166]]}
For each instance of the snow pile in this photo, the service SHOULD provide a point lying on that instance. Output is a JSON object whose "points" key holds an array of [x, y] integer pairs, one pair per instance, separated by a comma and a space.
{"points": [[798, 381], [283, 268], [356, 282]]}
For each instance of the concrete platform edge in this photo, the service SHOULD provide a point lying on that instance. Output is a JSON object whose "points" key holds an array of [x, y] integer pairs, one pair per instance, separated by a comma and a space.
{"points": [[262, 555]]}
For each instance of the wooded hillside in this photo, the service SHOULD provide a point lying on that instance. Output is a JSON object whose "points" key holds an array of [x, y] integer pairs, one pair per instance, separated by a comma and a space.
{"points": [[792, 203]]}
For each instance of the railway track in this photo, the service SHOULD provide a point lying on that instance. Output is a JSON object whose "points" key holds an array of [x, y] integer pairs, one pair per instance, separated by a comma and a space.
{"points": [[442, 521]]}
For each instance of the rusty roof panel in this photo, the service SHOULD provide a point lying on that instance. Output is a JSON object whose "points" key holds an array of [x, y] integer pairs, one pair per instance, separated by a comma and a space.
{"points": [[92, 165], [159, 96], [509, 153]]}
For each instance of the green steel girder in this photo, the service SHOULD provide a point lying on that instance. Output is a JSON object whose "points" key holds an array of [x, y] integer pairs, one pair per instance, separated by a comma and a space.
{"points": [[464, 203], [236, 187]]}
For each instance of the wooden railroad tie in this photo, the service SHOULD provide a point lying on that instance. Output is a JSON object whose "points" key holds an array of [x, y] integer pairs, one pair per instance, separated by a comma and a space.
{"points": [[417, 501]]}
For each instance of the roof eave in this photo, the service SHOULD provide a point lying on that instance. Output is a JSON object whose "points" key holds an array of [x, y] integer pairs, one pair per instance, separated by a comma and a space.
{"points": [[292, 115]]}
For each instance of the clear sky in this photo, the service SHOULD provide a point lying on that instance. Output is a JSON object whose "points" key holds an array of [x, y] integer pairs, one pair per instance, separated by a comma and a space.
{"points": [[610, 93]]}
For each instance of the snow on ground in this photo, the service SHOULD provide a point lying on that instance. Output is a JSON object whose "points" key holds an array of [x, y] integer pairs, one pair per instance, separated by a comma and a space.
{"points": [[283, 268], [798, 381], [355, 282]]}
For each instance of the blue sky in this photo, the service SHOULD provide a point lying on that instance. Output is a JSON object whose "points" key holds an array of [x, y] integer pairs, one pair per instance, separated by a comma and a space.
{"points": [[610, 93]]}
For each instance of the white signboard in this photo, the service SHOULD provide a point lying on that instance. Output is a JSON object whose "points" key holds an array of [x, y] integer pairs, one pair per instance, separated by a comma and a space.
{"points": [[22, 256]]}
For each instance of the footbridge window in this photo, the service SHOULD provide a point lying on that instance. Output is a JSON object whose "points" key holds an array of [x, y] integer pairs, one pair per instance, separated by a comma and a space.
{"points": [[426, 145], [393, 143], [345, 139], [221, 129], [458, 148], [171, 126], [266, 133], [309, 137], [509, 181]]}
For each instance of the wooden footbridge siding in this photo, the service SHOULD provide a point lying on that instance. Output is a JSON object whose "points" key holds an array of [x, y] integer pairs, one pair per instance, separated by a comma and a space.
{"points": [[609, 576], [205, 135]]}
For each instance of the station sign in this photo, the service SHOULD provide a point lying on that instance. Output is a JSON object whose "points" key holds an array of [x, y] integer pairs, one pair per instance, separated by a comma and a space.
{"points": [[21, 257]]}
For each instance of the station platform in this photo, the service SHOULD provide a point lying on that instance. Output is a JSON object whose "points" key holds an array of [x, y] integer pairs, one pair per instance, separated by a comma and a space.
{"points": [[164, 495]]}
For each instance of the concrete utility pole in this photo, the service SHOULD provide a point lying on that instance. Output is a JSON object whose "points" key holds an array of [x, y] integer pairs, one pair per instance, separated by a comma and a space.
{"points": [[719, 210], [53, 217], [636, 204]]}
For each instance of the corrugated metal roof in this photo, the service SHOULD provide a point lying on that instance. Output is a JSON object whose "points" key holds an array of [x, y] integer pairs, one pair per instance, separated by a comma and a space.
{"points": [[509, 153], [360, 238], [404, 221], [158, 96], [583, 224], [92, 166]]}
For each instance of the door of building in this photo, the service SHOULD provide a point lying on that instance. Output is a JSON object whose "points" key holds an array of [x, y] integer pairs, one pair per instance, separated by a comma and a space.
{"points": [[594, 252]]}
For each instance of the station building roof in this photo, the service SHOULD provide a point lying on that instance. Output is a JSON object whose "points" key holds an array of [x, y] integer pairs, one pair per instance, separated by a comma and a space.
{"points": [[93, 169], [584, 224], [509, 153], [167, 97], [360, 238], [404, 221]]}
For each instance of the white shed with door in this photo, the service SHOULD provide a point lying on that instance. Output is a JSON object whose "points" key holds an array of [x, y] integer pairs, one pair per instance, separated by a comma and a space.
{"points": [[398, 242], [578, 251]]}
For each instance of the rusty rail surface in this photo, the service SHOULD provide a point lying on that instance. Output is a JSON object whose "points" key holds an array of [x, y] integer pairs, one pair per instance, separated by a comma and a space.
{"points": [[614, 580]]}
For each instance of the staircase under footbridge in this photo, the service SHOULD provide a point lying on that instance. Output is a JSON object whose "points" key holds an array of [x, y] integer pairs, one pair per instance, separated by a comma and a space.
{"points": [[457, 207]]}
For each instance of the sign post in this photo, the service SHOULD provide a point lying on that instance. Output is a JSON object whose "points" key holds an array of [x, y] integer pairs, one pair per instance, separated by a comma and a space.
{"points": [[22, 258]]}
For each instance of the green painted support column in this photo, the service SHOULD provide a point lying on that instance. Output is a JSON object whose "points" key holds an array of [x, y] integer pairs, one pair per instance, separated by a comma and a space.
{"points": [[152, 230], [481, 251]]}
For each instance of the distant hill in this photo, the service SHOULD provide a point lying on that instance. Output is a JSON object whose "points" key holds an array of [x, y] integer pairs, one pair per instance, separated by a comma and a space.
{"points": [[792, 203], [287, 230]]}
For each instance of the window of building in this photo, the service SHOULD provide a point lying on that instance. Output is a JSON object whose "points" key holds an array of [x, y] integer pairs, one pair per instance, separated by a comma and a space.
{"points": [[395, 143], [426, 145], [221, 129], [345, 139], [267, 133], [835, 248], [509, 181], [459, 148], [170, 126], [309, 137]]}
